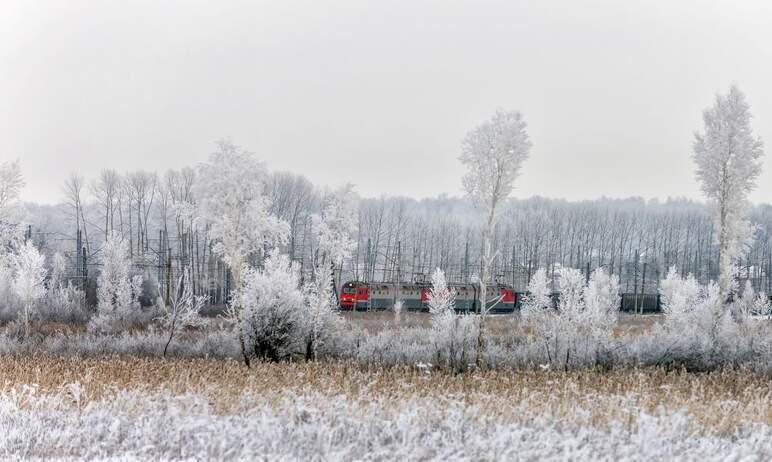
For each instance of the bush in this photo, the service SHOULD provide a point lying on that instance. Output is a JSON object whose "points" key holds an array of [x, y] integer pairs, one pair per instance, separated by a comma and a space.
{"points": [[268, 310]]}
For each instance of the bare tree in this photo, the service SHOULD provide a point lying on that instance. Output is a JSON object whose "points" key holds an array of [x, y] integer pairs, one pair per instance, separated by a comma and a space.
{"points": [[73, 190], [106, 191]]}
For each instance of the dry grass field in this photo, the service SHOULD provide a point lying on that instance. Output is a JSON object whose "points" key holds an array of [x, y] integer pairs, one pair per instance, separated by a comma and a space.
{"points": [[502, 324], [169, 409]]}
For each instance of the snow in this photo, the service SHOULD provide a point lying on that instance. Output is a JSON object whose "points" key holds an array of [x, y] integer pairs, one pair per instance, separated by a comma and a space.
{"points": [[133, 424]]}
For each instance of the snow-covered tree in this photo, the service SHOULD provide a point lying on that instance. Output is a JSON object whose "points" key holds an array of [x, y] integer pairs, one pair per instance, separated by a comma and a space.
{"points": [[183, 309], [11, 183], [745, 302], [29, 278], [601, 299], [583, 322], [728, 158], [63, 301], [539, 293], [695, 315], [492, 154], [271, 320], [338, 224], [679, 296], [453, 335], [117, 292], [322, 319], [232, 207], [539, 314], [441, 299], [235, 212]]}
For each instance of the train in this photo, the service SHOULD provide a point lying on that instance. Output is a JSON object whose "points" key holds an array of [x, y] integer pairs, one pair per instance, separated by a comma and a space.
{"points": [[361, 296], [364, 296]]}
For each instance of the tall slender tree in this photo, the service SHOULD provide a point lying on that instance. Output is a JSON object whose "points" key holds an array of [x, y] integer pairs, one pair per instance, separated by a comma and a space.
{"points": [[728, 158], [492, 154]]}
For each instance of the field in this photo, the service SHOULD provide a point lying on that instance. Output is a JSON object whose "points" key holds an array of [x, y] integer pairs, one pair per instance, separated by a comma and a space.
{"points": [[376, 321], [131, 408]]}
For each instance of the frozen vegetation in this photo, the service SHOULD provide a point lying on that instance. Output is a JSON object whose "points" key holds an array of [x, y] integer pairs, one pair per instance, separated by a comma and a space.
{"points": [[233, 347], [139, 409]]}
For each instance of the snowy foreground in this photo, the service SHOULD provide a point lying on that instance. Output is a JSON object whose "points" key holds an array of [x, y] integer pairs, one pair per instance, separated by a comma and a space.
{"points": [[127, 409], [168, 426]]}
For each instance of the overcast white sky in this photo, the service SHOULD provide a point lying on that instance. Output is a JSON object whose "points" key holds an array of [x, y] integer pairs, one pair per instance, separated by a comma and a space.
{"points": [[379, 93]]}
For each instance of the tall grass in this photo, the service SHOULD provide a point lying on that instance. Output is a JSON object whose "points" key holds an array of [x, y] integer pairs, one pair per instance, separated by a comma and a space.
{"points": [[213, 409]]}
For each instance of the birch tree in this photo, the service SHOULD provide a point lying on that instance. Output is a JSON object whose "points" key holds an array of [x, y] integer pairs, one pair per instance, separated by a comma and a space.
{"points": [[492, 154], [236, 214], [728, 158]]}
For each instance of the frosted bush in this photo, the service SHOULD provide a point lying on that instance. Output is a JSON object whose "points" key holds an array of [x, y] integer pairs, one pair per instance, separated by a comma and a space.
{"points": [[579, 330], [270, 320]]}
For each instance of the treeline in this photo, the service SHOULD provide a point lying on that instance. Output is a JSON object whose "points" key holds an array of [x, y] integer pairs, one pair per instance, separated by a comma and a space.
{"points": [[397, 238]]}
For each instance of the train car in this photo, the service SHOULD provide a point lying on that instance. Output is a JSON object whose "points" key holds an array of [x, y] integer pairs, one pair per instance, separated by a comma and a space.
{"points": [[383, 296], [361, 296]]}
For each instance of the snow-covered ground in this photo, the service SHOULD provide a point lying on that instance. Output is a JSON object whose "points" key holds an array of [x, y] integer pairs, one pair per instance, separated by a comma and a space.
{"points": [[310, 427], [129, 409]]}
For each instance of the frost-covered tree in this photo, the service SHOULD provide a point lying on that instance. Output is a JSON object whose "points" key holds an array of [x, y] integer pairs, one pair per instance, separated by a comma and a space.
{"points": [[728, 158], [696, 320], [183, 309], [492, 154], [539, 293], [117, 292], [441, 298], [338, 225], [235, 212], [322, 319], [272, 309], [601, 299], [232, 206], [63, 301], [582, 325], [680, 296], [29, 278], [452, 334], [539, 314], [11, 183]]}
